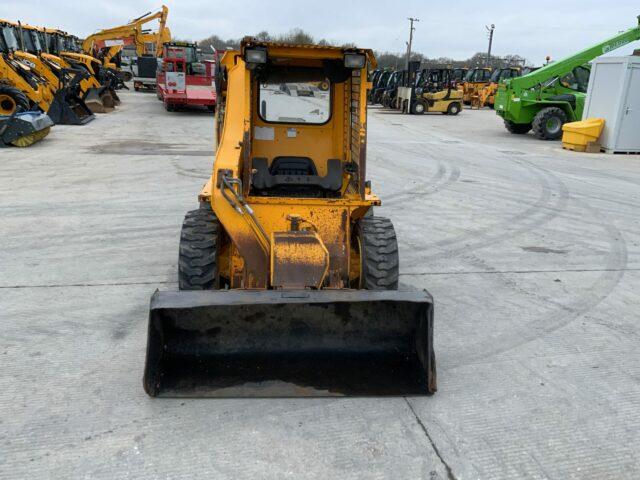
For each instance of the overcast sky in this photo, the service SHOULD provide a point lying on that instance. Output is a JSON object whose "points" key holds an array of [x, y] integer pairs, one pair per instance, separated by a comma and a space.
{"points": [[455, 28]]}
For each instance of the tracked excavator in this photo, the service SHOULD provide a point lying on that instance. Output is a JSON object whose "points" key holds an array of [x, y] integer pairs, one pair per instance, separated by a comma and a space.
{"points": [[288, 280], [108, 43]]}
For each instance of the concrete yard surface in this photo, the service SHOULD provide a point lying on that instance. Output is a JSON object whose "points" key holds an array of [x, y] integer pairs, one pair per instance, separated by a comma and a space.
{"points": [[532, 255]]}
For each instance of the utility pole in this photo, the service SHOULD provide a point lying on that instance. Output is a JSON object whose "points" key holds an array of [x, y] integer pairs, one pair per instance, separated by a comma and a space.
{"points": [[490, 33], [411, 30]]}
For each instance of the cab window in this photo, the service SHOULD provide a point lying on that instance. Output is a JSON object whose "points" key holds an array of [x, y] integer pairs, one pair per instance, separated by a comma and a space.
{"points": [[295, 95]]}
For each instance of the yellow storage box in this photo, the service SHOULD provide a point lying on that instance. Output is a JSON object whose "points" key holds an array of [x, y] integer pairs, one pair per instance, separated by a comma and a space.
{"points": [[578, 136]]}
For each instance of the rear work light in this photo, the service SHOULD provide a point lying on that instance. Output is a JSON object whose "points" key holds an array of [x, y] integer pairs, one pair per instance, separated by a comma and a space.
{"points": [[354, 60]]}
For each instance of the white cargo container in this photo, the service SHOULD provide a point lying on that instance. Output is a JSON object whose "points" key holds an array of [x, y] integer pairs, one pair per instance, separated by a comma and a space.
{"points": [[614, 94]]}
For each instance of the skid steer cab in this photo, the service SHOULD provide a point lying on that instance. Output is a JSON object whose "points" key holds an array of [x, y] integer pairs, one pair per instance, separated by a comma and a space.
{"points": [[288, 281]]}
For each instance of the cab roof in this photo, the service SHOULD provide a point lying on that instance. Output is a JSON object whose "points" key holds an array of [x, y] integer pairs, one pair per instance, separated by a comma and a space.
{"points": [[312, 51]]}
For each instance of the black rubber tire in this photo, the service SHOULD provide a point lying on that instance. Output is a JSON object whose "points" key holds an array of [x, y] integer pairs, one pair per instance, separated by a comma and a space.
{"points": [[454, 108], [418, 108], [198, 255], [20, 99], [517, 128], [379, 253], [549, 116]]}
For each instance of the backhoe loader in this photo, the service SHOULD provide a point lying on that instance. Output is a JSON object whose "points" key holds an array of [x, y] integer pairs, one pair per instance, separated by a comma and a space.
{"points": [[288, 282], [66, 107], [475, 80], [23, 96], [97, 89], [486, 95]]}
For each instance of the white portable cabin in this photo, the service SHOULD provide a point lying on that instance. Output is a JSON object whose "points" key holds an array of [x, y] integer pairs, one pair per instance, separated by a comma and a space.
{"points": [[614, 94]]}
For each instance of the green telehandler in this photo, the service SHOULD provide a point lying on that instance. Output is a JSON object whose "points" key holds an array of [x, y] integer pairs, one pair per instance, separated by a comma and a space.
{"points": [[547, 98]]}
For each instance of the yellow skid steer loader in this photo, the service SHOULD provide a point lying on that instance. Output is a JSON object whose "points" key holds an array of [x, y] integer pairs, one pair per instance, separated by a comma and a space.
{"points": [[288, 282]]}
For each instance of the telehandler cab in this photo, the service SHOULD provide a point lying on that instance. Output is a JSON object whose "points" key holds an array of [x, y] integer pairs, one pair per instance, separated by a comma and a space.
{"points": [[288, 282]]}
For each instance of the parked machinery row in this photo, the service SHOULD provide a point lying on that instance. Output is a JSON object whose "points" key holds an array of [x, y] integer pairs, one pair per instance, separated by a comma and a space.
{"points": [[48, 76], [419, 91]]}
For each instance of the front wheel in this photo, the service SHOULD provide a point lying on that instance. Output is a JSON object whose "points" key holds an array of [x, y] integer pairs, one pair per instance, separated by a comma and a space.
{"points": [[418, 108], [517, 128], [12, 99], [454, 108], [198, 255], [379, 261], [547, 124]]}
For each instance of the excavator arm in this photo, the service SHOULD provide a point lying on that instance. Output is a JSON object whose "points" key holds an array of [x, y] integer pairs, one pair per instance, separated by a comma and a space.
{"points": [[131, 34]]}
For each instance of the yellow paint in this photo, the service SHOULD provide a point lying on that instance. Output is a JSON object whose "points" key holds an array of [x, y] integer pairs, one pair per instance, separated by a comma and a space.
{"points": [[259, 230]]}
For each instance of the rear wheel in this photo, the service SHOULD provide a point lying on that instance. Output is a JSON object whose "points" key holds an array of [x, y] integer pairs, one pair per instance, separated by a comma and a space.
{"points": [[517, 128], [378, 254], [12, 98], [547, 125], [198, 256], [454, 108]]}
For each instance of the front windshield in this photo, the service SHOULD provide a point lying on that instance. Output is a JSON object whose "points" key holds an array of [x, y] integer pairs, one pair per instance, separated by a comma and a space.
{"points": [[496, 75], [9, 38], [295, 95], [27, 41], [577, 79], [469, 76]]}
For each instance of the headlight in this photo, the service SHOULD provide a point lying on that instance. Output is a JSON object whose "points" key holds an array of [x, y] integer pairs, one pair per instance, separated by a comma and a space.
{"points": [[255, 55], [354, 60]]}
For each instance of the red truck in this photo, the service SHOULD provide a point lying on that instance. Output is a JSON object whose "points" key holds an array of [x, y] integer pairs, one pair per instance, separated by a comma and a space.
{"points": [[185, 81]]}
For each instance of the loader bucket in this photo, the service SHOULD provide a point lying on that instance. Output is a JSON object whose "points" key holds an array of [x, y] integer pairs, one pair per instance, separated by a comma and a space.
{"points": [[270, 343], [99, 100], [68, 109], [24, 129], [114, 95]]}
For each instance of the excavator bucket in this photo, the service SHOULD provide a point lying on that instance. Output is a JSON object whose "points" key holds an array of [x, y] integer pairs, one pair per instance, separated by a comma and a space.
{"points": [[69, 109], [24, 129], [99, 100], [273, 343]]}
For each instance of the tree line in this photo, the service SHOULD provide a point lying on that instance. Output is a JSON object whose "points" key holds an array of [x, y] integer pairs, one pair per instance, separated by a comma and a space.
{"points": [[385, 59]]}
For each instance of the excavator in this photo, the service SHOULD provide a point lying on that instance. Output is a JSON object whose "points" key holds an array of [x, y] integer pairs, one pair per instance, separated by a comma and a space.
{"points": [[544, 100], [97, 88], [108, 43], [63, 102], [288, 281]]}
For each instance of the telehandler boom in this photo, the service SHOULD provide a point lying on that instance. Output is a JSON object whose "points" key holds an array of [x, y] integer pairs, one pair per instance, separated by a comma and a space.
{"points": [[288, 282], [554, 94]]}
